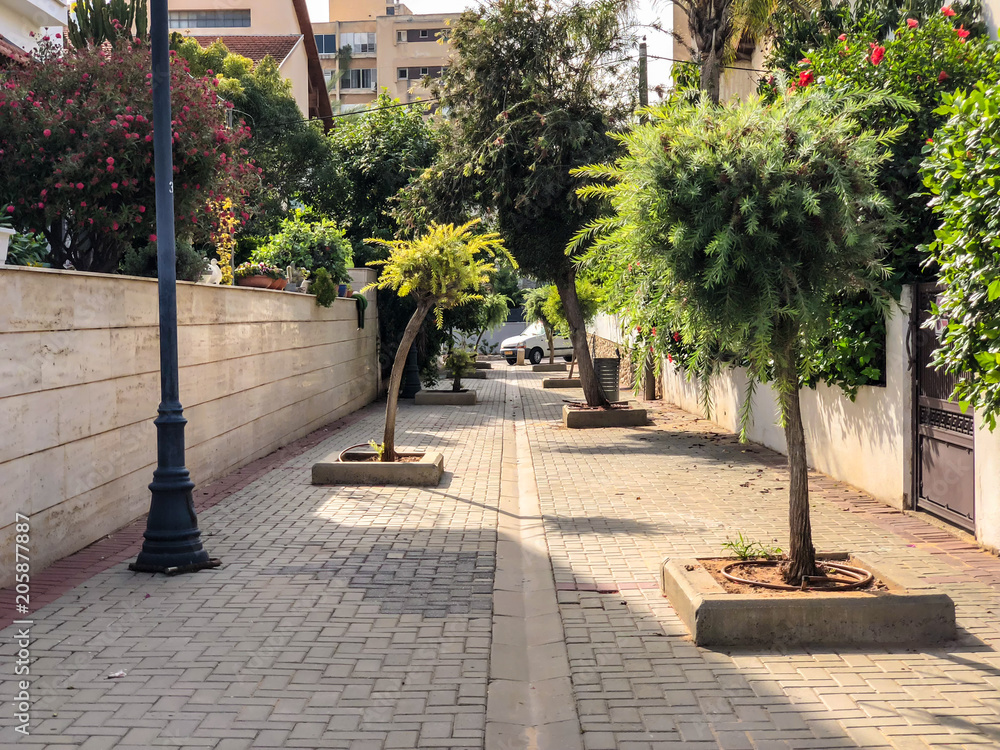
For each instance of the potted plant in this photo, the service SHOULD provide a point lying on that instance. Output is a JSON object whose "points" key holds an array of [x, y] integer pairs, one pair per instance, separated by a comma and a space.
{"points": [[443, 268], [260, 275]]}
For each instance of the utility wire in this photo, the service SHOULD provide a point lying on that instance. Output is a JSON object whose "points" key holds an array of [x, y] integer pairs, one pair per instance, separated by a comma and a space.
{"points": [[352, 113]]}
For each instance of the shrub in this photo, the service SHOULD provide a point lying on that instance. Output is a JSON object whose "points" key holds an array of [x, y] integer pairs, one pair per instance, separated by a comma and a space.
{"points": [[142, 261], [76, 152], [962, 170], [311, 244], [324, 287]]}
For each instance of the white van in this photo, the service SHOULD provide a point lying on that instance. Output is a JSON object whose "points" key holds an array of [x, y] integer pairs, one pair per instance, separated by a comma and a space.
{"points": [[536, 346]]}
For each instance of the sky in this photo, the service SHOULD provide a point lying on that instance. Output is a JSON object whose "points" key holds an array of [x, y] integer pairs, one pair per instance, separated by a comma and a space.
{"points": [[657, 42]]}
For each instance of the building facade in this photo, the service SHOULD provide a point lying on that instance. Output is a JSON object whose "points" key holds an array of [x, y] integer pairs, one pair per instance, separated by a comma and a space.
{"points": [[369, 45], [20, 19], [256, 28]]}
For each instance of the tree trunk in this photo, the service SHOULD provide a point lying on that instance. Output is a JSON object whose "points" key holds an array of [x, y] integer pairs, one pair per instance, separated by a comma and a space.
{"points": [[566, 285], [711, 73], [572, 366], [552, 343], [801, 553], [396, 379]]}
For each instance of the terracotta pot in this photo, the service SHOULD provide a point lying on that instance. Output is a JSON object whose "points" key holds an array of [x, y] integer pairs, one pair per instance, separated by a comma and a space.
{"points": [[279, 284], [261, 282]]}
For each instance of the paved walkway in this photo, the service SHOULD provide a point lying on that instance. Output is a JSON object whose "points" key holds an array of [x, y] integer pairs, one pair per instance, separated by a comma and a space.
{"points": [[515, 605]]}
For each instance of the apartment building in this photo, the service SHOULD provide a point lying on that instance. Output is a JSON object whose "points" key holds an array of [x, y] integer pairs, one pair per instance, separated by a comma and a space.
{"points": [[369, 45], [19, 19], [257, 28]]}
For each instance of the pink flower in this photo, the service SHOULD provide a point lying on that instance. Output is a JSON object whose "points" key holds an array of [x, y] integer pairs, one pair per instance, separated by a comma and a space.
{"points": [[152, 238], [912, 23], [10, 209], [142, 209], [114, 226], [110, 160], [114, 185], [83, 203], [842, 37], [878, 52], [948, 11], [47, 132], [942, 77], [79, 186], [805, 61]]}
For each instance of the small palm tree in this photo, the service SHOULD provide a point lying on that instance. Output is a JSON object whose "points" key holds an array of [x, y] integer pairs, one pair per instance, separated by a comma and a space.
{"points": [[441, 269]]}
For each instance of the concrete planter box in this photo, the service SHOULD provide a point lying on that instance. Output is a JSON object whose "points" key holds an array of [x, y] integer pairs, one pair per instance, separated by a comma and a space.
{"points": [[911, 612], [484, 365], [555, 367], [445, 398], [582, 419], [425, 473], [561, 383]]}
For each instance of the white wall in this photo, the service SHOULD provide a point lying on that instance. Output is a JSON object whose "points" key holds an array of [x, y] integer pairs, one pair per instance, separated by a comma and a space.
{"points": [[79, 388], [866, 443], [18, 18]]}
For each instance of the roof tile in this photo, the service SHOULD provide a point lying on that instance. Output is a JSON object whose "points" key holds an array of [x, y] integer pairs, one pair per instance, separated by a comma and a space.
{"points": [[254, 47]]}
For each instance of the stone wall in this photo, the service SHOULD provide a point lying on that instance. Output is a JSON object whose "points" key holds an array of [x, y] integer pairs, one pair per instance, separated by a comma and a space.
{"points": [[79, 388]]}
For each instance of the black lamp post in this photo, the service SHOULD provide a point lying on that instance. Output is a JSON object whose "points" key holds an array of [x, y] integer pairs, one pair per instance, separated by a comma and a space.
{"points": [[411, 374], [172, 540]]}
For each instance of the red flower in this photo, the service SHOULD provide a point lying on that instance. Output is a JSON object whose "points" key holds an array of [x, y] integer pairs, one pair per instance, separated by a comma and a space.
{"points": [[677, 336], [654, 330], [805, 78], [805, 61], [10, 209], [948, 11], [46, 132], [878, 52], [111, 160], [79, 186], [930, 141], [942, 76], [962, 32], [912, 23], [842, 37], [670, 359], [114, 185], [152, 238]]}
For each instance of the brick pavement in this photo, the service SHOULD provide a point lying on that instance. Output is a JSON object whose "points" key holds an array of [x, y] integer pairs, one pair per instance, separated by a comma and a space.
{"points": [[616, 502], [365, 617]]}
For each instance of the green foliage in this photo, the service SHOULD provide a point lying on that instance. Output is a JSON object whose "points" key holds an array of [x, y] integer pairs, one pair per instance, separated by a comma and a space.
{"points": [[293, 155], [27, 249], [142, 261], [77, 164], [457, 363], [311, 244], [373, 155], [802, 31], [744, 548], [590, 296], [962, 171], [379, 448], [533, 91], [739, 226], [912, 67], [245, 270], [116, 22], [442, 268], [324, 287]]}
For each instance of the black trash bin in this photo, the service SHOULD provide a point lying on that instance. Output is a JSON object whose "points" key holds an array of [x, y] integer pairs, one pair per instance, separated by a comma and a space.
{"points": [[607, 370]]}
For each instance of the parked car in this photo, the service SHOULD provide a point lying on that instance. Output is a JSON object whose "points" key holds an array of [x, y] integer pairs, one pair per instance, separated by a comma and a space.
{"points": [[536, 346]]}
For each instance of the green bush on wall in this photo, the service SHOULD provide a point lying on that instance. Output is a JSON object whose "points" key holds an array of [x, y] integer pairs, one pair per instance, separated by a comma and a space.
{"points": [[306, 242], [962, 170]]}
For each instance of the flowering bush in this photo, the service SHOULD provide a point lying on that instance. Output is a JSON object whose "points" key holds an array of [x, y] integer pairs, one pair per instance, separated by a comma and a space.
{"points": [[223, 237], [245, 270], [76, 152]]}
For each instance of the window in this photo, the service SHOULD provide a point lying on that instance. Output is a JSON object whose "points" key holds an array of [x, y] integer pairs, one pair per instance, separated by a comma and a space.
{"points": [[424, 71], [360, 43], [326, 44], [390, 11], [359, 78], [400, 36], [424, 33], [402, 73], [209, 19]]}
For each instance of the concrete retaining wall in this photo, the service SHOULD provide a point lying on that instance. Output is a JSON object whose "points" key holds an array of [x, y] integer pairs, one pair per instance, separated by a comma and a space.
{"points": [[79, 388]]}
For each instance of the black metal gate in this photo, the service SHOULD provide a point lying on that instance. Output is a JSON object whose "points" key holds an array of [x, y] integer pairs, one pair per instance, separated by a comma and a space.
{"points": [[944, 461]]}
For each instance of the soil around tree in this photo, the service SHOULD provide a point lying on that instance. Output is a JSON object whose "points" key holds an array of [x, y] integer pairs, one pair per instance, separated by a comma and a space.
{"points": [[612, 406], [358, 458], [772, 574]]}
